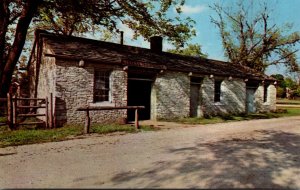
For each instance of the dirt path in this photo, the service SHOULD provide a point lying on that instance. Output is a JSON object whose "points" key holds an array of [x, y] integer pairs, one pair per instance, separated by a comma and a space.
{"points": [[248, 154]]}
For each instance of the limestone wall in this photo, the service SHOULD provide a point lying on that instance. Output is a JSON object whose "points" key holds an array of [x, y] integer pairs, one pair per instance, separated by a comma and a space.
{"points": [[170, 95], [46, 82], [74, 88], [233, 96], [270, 104], [47, 77]]}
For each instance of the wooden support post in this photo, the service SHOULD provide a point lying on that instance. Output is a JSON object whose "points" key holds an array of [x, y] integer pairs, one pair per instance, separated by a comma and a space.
{"points": [[136, 119], [14, 103], [87, 122], [46, 111], [51, 111], [9, 111]]}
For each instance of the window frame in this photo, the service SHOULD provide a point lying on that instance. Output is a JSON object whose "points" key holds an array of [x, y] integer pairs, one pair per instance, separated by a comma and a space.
{"points": [[105, 75]]}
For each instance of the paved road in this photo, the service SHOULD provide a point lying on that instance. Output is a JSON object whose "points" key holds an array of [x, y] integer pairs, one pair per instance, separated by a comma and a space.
{"points": [[248, 154]]}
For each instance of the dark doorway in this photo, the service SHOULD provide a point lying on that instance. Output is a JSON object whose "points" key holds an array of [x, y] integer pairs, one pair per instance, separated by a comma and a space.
{"points": [[139, 94]]}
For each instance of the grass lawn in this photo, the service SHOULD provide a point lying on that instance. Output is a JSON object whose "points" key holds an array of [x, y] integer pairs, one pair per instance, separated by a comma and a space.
{"points": [[291, 111], [287, 101], [282, 112], [34, 135], [31, 135]]}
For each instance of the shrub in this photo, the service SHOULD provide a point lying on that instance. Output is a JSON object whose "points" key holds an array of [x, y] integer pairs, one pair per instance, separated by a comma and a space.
{"points": [[280, 92]]}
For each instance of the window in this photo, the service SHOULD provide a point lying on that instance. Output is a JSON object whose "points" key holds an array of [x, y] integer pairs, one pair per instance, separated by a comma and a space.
{"points": [[217, 91], [101, 86], [265, 93]]}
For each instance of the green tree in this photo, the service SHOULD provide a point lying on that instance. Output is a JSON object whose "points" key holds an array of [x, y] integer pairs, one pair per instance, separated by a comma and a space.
{"points": [[281, 87], [251, 40], [190, 50], [74, 17], [290, 83], [292, 87], [280, 80]]}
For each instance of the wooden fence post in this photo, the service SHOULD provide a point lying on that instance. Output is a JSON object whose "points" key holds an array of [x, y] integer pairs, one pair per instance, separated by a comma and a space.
{"points": [[14, 105], [87, 122], [136, 119], [46, 111], [9, 111], [51, 111]]}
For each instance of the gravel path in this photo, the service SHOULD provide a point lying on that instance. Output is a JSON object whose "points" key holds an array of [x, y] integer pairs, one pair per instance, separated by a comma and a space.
{"points": [[247, 154]]}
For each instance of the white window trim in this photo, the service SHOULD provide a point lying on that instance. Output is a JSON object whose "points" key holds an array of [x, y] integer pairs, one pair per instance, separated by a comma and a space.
{"points": [[105, 103]]}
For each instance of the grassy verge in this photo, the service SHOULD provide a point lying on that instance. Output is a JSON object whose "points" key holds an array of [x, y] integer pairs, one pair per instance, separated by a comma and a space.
{"points": [[3, 119], [290, 111], [31, 135], [287, 101], [282, 112], [34, 135]]}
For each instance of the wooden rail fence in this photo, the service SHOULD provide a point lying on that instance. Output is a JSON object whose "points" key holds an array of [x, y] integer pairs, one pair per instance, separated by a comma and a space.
{"points": [[87, 109], [16, 110]]}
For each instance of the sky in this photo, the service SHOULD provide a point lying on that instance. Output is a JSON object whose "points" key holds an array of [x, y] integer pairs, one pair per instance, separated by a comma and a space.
{"points": [[282, 11]]}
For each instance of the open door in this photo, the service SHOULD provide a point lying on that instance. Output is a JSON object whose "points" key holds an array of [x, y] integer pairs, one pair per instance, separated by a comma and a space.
{"points": [[139, 93]]}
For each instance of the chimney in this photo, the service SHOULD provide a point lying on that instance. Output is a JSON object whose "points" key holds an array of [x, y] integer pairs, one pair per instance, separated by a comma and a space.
{"points": [[156, 44]]}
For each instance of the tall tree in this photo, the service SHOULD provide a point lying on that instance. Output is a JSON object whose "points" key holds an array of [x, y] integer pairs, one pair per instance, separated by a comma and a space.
{"points": [[12, 14], [190, 50], [252, 40], [73, 17]]}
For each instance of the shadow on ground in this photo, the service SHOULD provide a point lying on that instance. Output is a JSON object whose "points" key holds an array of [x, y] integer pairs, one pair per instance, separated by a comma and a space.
{"points": [[264, 159]]}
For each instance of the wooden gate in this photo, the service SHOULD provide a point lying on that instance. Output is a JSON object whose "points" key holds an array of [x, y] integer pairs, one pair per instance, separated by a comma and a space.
{"points": [[20, 108]]}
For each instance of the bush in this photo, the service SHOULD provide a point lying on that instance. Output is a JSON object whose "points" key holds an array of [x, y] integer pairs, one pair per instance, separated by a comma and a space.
{"points": [[297, 92], [281, 92], [279, 111]]}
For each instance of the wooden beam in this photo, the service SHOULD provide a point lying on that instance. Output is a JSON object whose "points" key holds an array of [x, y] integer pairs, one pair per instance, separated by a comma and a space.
{"points": [[3, 99], [19, 98], [9, 111], [14, 108], [46, 112], [87, 122], [136, 119], [51, 111], [31, 106], [109, 108], [31, 123], [31, 114], [88, 119]]}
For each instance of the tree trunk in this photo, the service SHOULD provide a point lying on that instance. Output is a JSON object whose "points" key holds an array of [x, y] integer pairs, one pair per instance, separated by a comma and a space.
{"points": [[4, 21], [28, 11]]}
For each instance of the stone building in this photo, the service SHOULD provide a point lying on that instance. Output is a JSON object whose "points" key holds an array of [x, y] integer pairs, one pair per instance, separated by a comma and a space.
{"points": [[84, 72]]}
